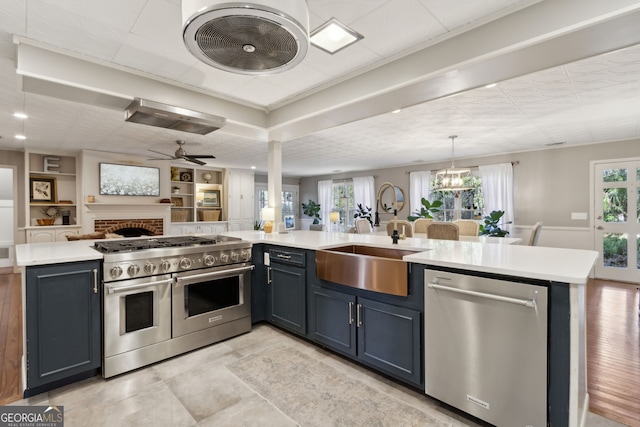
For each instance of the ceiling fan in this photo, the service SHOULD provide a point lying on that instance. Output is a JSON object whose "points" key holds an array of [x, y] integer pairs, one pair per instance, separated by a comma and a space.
{"points": [[181, 154]]}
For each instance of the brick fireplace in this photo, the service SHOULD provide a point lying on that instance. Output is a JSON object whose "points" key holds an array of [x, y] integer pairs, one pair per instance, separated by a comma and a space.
{"points": [[149, 219], [153, 226]]}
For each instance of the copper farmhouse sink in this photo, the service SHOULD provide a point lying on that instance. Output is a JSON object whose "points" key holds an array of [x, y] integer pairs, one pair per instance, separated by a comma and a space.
{"points": [[364, 267]]}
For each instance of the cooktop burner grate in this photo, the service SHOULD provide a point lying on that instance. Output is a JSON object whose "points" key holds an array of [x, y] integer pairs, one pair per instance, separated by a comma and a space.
{"points": [[152, 243]]}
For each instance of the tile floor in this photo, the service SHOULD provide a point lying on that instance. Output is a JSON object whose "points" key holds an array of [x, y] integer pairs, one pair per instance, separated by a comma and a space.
{"points": [[198, 388]]}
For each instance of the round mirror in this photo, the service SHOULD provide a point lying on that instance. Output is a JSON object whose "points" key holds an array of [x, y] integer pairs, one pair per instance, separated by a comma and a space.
{"points": [[387, 195]]}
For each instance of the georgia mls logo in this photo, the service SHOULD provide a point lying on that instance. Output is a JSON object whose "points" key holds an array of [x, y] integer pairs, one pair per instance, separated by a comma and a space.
{"points": [[31, 416]]}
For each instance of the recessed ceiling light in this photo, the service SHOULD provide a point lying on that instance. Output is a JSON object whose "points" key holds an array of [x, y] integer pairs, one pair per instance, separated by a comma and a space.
{"points": [[333, 36], [489, 86], [20, 136], [253, 167], [20, 115], [396, 111]]}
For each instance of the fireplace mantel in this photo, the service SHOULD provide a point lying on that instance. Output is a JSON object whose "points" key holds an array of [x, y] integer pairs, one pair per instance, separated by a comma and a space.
{"points": [[126, 206]]}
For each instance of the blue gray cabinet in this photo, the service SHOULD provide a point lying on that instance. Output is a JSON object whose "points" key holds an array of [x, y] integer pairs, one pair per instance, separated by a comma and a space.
{"points": [[378, 334], [286, 294], [63, 324], [258, 285]]}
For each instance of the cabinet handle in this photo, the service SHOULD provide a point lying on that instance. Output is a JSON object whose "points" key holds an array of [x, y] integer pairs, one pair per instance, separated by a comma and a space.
{"points": [[359, 315], [268, 275], [95, 281], [350, 312], [284, 256]]}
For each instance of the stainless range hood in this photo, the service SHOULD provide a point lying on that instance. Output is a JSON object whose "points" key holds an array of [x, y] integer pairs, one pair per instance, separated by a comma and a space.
{"points": [[166, 116]]}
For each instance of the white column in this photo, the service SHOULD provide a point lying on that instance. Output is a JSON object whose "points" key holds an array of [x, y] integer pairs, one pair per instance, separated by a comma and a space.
{"points": [[274, 179]]}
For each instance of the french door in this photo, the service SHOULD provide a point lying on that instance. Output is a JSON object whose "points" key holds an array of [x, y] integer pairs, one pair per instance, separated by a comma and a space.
{"points": [[617, 220]]}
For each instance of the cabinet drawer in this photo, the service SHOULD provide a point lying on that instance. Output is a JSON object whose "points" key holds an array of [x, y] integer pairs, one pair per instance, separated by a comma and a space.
{"points": [[287, 257]]}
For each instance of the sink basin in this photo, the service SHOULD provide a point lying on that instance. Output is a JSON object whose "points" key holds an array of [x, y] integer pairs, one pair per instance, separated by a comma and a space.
{"points": [[365, 267]]}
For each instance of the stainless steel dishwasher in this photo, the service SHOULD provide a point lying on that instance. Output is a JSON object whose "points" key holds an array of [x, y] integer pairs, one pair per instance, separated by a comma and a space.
{"points": [[486, 347]]}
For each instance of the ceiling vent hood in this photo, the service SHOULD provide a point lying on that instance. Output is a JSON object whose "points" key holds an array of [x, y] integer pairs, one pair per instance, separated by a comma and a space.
{"points": [[169, 117], [250, 37]]}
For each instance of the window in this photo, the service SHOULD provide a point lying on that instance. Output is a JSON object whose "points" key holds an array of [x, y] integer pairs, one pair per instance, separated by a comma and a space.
{"points": [[289, 200], [344, 202], [466, 205]]}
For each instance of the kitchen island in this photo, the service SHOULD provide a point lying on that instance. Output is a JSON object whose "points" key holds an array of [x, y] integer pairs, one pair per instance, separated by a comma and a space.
{"points": [[563, 271]]}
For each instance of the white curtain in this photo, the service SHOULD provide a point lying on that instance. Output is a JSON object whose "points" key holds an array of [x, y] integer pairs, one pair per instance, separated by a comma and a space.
{"points": [[497, 189], [419, 187], [364, 192], [325, 200]]}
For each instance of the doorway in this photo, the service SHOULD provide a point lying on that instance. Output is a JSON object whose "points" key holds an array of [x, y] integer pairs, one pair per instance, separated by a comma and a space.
{"points": [[7, 216], [617, 219]]}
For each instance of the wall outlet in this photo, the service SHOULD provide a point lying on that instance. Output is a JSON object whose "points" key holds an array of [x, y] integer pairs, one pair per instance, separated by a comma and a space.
{"points": [[578, 215]]}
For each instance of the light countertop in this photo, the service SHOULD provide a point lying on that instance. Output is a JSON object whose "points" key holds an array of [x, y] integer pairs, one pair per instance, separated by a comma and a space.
{"points": [[30, 254], [490, 255]]}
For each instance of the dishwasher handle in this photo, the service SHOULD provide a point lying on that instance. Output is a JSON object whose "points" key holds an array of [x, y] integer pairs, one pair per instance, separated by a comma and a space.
{"points": [[531, 303]]}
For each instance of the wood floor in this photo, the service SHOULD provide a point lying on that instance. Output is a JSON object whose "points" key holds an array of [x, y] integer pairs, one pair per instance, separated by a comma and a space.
{"points": [[613, 351], [613, 347], [10, 337]]}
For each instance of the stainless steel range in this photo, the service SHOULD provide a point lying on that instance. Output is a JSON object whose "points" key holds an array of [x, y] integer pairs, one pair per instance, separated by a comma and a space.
{"points": [[164, 296]]}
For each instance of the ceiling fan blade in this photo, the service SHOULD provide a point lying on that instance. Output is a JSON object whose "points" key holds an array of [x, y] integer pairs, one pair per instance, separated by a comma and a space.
{"points": [[196, 161], [203, 156], [157, 152]]}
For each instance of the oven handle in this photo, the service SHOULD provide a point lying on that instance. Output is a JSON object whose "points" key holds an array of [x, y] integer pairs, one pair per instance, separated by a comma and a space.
{"points": [[112, 289], [179, 279]]}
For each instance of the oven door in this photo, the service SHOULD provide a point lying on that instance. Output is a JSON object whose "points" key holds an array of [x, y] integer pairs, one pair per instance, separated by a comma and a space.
{"points": [[137, 313], [206, 298]]}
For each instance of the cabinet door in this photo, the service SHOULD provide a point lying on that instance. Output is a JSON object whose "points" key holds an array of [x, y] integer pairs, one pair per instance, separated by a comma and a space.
{"points": [[332, 319], [62, 233], [219, 228], [41, 236], [176, 230], [389, 339], [62, 321], [205, 228], [240, 199], [286, 299]]}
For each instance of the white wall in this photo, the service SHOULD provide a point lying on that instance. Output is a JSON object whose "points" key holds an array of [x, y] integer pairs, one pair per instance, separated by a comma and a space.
{"points": [[549, 185]]}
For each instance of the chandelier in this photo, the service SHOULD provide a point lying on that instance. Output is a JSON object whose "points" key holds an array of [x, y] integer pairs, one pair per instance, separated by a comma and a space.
{"points": [[453, 178]]}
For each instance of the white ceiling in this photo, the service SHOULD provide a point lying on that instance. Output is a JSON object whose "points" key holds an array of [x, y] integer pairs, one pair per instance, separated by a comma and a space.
{"points": [[557, 82]]}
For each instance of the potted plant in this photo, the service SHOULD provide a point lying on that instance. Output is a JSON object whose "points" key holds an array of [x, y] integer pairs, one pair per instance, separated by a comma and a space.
{"points": [[363, 212], [312, 209], [491, 227], [427, 210]]}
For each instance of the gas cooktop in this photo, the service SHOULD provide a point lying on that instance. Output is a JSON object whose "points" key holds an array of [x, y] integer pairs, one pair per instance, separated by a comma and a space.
{"points": [[135, 258], [154, 243]]}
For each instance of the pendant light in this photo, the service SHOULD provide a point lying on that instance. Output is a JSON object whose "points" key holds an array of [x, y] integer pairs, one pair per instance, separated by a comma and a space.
{"points": [[452, 179]]}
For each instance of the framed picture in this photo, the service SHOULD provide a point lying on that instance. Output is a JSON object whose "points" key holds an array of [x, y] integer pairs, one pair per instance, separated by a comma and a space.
{"points": [[129, 180], [42, 190], [211, 198]]}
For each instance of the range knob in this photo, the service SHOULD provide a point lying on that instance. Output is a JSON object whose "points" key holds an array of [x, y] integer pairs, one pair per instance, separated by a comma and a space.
{"points": [[115, 272], [235, 256], [185, 263], [209, 260], [165, 266], [224, 258], [149, 268], [246, 255], [133, 270]]}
